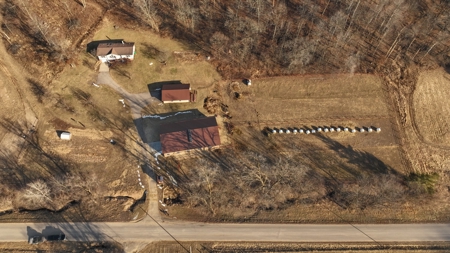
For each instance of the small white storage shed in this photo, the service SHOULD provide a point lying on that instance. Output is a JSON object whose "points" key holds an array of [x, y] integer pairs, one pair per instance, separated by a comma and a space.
{"points": [[66, 136]]}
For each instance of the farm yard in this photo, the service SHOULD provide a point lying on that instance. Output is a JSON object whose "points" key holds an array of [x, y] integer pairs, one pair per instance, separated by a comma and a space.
{"points": [[357, 177]]}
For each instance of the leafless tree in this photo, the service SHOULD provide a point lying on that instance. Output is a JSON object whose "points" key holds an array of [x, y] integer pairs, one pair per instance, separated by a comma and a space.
{"points": [[219, 42], [37, 193], [149, 11]]}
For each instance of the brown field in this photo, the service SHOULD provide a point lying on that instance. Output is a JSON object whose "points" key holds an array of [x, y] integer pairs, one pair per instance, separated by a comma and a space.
{"points": [[16, 247], [311, 98], [313, 101], [431, 107], [228, 247]]}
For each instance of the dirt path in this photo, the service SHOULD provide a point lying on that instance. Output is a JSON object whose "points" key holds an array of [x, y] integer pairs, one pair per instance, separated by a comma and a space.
{"points": [[137, 102]]}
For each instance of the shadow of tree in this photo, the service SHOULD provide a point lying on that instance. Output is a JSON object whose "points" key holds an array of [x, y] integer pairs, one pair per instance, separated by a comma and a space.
{"points": [[364, 160]]}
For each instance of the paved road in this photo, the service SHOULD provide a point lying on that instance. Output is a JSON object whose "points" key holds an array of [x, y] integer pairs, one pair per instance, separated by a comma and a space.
{"points": [[187, 231]]}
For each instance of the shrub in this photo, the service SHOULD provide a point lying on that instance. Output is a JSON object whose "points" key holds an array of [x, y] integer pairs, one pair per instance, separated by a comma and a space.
{"points": [[426, 182]]}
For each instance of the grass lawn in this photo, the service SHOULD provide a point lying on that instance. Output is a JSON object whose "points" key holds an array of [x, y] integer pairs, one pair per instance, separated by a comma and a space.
{"points": [[155, 61]]}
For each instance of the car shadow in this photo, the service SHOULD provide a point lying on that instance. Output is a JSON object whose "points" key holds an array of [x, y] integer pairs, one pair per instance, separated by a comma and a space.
{"points": [[50, 230], [32, 232]]}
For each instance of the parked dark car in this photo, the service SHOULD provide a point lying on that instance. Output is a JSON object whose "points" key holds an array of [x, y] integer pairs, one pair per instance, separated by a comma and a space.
{"points": [[36, 239], [58, 237]]}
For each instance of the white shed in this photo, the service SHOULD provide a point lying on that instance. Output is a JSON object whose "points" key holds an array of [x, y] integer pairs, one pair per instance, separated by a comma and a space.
{"points": [[66, 136]]}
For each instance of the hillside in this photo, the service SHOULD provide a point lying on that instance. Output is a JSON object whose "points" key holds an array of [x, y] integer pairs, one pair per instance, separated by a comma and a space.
{"points": [[46, 68]]}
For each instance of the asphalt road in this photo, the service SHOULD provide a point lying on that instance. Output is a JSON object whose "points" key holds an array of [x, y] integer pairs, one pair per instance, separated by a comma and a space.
{"points": [[186, 231]]}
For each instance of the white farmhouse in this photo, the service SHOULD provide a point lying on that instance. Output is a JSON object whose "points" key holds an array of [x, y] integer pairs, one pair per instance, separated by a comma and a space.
{"points": [[114, 51]]}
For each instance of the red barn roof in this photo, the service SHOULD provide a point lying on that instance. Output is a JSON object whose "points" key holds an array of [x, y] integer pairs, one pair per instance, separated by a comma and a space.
{"points": [[189, 134], [171, 92]]}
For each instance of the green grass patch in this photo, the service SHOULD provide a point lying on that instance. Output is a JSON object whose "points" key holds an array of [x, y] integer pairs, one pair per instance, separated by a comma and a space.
{"points": [[427, 181]]}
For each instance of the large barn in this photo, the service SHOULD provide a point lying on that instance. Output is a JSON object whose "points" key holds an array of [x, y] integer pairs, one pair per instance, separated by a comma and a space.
{"points": [[202, 133], [115, 51]]}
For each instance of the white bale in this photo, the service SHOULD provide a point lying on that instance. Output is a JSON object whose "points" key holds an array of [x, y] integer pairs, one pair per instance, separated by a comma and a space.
{"points": [[369, 130], [319, 129], [280, 131], [353, 131], [361, 130], [345, 129], [300, 131], [307, 131], [378, 129], [325, 130], [331, 129], [338, 129], [274, 131], [66, 136], [313, 131], [294, 131], [288, 131]]}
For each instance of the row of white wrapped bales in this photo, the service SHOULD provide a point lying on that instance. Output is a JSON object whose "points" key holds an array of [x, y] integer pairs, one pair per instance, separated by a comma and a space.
{"points": [[295, 130]]}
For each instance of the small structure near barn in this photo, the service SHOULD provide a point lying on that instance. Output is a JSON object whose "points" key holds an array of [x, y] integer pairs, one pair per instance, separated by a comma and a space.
{"points": [[115, 51], [202, 133], [65, 136], [177, 93]]}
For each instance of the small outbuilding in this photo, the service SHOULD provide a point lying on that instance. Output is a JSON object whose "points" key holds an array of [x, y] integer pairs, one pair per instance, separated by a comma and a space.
{"points": [[177, 93], [65, 136]]}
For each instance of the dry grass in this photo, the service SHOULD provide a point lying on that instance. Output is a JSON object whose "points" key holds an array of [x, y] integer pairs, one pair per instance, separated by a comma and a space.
{"points": [[198, 72], [226, 247], [304, 98], [315, 101], [13, 247], [431, 107]]}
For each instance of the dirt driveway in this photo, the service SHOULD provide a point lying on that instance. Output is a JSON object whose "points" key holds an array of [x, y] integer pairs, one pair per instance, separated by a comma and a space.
{"points": [[136, 102]]}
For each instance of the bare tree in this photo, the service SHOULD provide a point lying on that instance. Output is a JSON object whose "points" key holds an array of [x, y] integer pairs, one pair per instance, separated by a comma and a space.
{"points": [[37, 193], [205, 187], [148, 9]]}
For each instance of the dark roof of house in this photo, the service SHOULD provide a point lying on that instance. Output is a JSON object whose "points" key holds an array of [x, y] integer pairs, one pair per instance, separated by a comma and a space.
{"points": [[170, 92], [189, 134], [115, 48]]}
